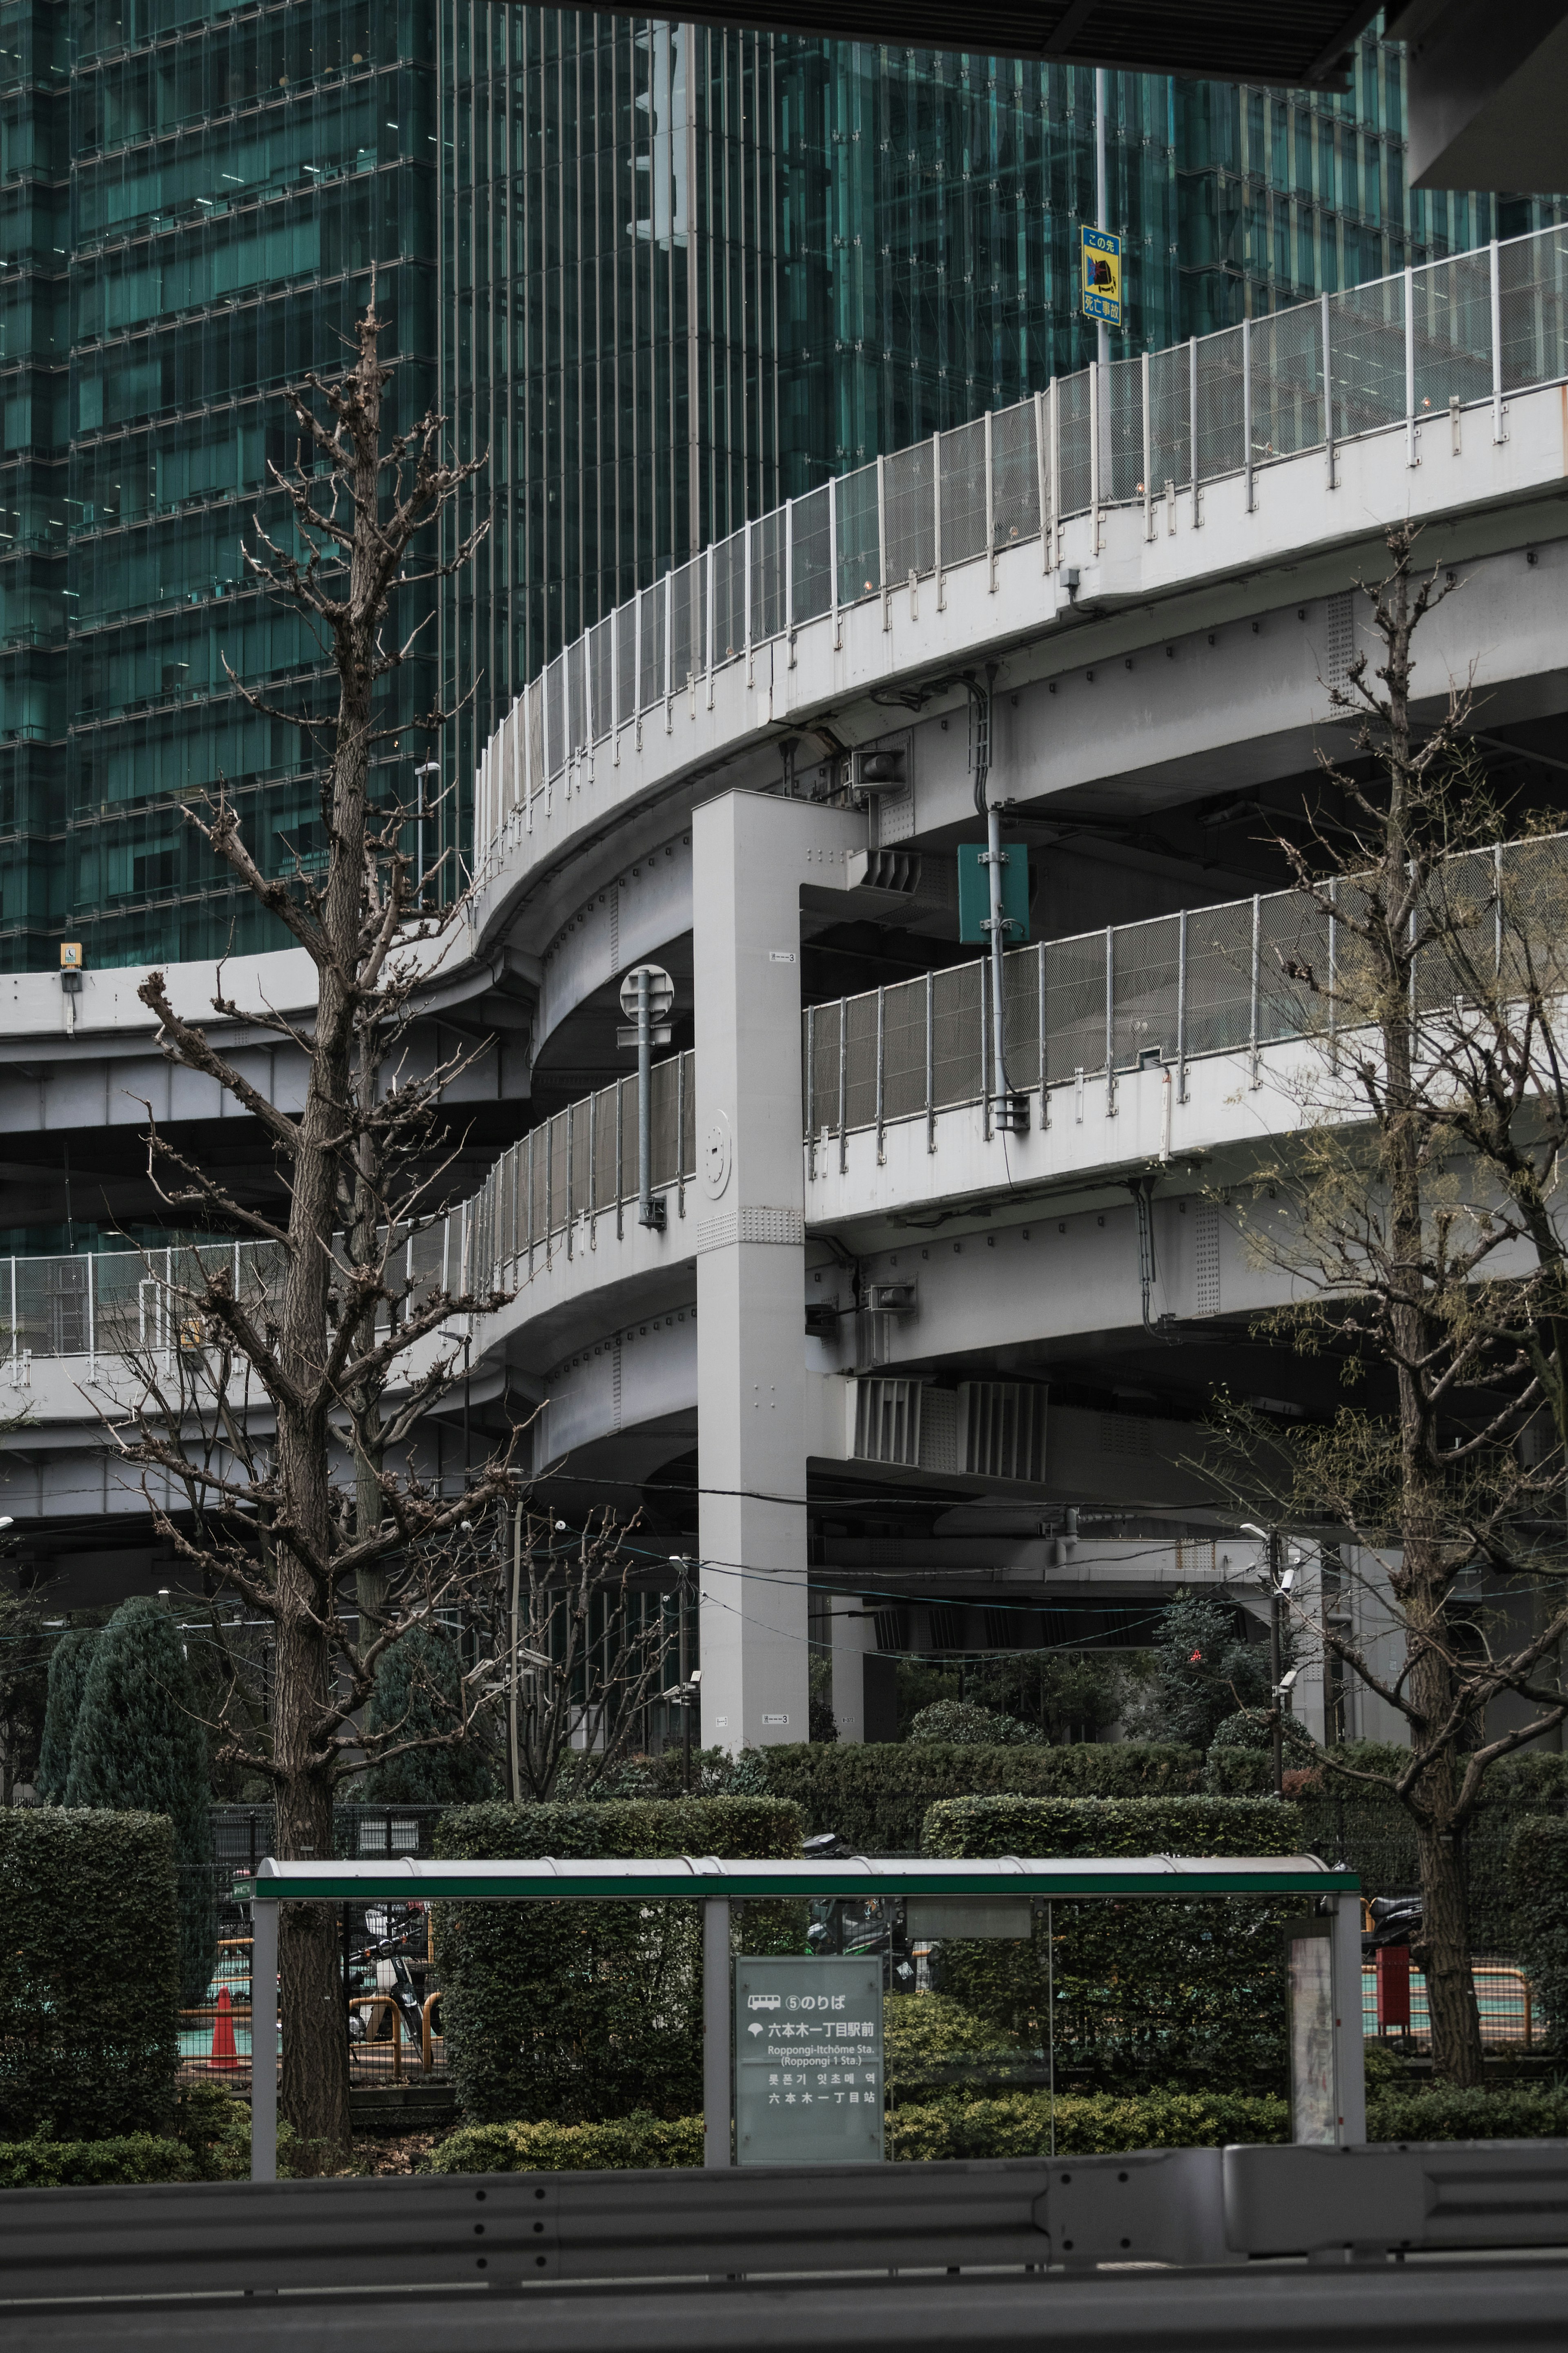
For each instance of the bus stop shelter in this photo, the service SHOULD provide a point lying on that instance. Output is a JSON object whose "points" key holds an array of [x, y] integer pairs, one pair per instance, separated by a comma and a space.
{"points": [[1324, 1958]]}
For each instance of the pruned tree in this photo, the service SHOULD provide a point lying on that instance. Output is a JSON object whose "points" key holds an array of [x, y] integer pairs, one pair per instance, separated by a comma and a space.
{"points": [[1416, 1217], [584, 1648], [277, 1435]]}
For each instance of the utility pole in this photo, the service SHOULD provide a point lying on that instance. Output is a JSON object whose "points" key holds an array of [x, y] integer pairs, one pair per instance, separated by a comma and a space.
{"points": [[1101, 211], [1276, 1663]]}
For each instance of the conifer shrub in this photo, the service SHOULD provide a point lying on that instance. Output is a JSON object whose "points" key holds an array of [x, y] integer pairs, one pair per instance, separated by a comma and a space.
{"points": [[68, 1663], [417, 1697], [139, 1745]]}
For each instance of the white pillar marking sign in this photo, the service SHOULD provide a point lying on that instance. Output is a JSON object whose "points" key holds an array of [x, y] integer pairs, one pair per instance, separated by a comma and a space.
{"points": [[808, 2061]]}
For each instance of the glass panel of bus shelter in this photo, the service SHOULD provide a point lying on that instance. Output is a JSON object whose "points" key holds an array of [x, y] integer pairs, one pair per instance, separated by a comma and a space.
{"points": [[1015, 476], [1533, 276], [813, 579], [963, 494], [910, 516], [998, 1999], [860, 535]]}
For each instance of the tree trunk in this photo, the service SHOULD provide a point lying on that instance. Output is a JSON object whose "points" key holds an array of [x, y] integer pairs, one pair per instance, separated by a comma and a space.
{"points": [[1442, 1953]]}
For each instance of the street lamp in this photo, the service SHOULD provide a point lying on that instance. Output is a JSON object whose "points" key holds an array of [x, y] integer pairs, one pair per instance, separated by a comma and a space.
{"points": [[1279, 1686], [430, 768], [647, 996]]}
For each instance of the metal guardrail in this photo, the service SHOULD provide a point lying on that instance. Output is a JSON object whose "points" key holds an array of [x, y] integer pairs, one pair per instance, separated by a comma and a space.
{"points": [[1401, 354], [1163, 993], [513, 2231]]}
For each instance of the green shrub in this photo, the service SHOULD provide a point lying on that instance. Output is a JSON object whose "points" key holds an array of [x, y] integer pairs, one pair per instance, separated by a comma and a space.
{"points": [[68, 1662], [1203, 1669], [43, 2164], [1538, 1884], [1180, 1994], [633, 2144], [417, 1695], [88, 1978], [876, 1796], [961, 1725], [138, 1743], [1093, 2124], [1443, 2112], [572, 2012]]}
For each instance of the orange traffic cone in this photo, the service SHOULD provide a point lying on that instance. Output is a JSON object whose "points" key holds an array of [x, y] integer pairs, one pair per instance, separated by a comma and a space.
{"points": [[225, 2058]]}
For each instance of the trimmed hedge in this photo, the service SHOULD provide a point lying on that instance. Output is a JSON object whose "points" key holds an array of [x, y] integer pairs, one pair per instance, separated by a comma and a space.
{"points": [[634, 2144], [968, 1827], [1019, 2125], [1182, 1994], [567, 2014], [876, 1796], [91, 2164], [88, 1974], [1538, 1884]]}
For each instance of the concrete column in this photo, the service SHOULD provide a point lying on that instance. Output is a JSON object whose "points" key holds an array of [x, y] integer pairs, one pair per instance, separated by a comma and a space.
{"points": [[751, 855], [853, 1635]]}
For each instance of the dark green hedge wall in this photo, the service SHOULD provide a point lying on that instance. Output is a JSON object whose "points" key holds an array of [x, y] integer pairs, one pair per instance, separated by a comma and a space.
{"points": [[876, 1796], [1538, 1884], [577, 2013], [1133, 1995], [89, 1973]]}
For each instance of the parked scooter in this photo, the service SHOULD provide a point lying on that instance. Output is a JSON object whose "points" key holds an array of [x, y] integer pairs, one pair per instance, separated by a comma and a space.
{"points": [[390, 1929]]}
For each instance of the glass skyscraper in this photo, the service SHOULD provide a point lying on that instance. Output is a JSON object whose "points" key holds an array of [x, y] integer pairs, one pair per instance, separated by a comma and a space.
{"points": [[659, 275]]}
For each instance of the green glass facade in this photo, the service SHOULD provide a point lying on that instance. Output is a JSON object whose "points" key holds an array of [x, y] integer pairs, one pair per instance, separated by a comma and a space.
{"points": [[662, 276]]}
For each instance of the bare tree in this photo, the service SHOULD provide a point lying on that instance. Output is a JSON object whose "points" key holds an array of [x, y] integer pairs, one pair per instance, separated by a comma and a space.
{"points": [[1417, 1217], [278, 1431], [586, 1651]]}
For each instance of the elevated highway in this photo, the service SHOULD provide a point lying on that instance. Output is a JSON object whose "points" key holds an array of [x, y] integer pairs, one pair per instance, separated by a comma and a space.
{"points": [[1127, 603]]}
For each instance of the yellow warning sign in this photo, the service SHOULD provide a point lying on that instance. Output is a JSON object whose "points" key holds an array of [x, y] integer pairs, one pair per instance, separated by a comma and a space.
{"points": [[1101, 254]]}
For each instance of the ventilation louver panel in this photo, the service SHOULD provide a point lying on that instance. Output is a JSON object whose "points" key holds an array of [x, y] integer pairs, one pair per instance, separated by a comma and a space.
{"points": [[1003, 1427]]}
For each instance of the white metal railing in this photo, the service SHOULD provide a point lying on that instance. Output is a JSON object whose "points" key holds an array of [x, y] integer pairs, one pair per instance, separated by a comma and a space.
{"points": [[1391, 355], [1091, 1009]]}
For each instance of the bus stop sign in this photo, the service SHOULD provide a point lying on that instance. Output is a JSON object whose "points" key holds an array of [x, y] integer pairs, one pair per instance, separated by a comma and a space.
{"points": [[808, 2061]]}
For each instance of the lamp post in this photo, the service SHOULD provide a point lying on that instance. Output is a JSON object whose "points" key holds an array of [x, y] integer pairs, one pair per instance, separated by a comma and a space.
{"points": [[430, 768], [1279, 1583], [647, 995]]}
